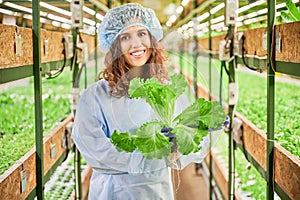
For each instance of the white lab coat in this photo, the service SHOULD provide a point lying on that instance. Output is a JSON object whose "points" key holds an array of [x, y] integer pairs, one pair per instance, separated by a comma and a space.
{"points": [[118, 175]]}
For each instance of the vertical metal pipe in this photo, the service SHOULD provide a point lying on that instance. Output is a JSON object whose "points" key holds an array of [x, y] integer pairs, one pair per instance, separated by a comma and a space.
{"points": [[181, 54], [85, 76], [210, 88], [73, 62], [195, 52], [109, 3], [195, 61], [38, 99], [77, 162], [231, 167], [270, 100], [96, 44]]}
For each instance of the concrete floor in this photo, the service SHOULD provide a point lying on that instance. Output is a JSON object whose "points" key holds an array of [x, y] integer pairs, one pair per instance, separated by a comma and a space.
{"points": [[192, 185]]}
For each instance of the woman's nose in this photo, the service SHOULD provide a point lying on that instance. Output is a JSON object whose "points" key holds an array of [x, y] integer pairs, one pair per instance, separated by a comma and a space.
{"points": [[136, 41]]}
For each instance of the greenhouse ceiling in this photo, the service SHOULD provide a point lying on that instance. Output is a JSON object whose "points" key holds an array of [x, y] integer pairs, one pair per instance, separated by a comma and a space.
{"points": [[173, 14]]}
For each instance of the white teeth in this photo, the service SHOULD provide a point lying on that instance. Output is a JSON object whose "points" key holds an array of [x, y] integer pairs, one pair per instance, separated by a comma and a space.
{"points": [[137, 53]]}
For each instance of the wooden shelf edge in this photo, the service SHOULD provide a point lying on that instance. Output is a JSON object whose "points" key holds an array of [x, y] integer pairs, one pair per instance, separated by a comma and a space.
{"points": [[11, 177]]}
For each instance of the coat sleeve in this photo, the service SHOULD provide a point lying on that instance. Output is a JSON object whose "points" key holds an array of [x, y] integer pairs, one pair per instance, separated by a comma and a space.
{"points": [[90, 139]]}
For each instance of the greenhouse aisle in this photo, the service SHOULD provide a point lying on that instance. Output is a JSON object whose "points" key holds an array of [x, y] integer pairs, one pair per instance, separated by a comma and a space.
{"points": [[192, 186]]}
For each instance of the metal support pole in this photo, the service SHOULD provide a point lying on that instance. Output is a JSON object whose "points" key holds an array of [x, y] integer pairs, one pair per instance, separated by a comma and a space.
{"points": [[210, 90], [38, 99], [231, 167], [181, 58], [195, 64], [195, 52], [195, 61], [96, 44], [270, 100], [77, 162], [109, 4]]}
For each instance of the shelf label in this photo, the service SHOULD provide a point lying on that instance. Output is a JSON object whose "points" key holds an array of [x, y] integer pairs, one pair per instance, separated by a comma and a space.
{"points": [[23, 180], [52, 150], [18, 44], [46, 49]]}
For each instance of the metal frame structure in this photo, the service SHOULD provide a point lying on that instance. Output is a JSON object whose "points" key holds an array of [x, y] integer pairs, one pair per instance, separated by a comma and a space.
{"points": [[35, 70]]}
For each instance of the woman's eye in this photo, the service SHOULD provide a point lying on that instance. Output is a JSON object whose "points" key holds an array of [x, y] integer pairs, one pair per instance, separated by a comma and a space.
{"points": [[143, 33], [124, 37]]}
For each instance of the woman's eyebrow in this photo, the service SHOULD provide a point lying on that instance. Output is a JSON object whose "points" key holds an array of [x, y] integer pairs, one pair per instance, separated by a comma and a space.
{"points": [[124, 33], [139, 30], [142, 30]]}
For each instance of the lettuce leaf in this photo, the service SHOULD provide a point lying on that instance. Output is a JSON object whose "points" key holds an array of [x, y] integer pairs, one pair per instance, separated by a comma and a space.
{"points": [[160, 97], [202, 115], [123, 141], [185, 139], [151, 142]]}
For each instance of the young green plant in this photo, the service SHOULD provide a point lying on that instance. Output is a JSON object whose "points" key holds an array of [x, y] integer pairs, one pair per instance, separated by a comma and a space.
{"points": [[184, 132]]}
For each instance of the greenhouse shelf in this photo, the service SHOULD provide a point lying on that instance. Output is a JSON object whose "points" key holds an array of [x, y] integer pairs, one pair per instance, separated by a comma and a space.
{"points": [[21, 175], [62, 182], [286, 166]]}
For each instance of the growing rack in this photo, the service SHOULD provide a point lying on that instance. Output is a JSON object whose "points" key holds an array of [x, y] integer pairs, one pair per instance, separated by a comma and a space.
{"points": [[39, 53], [276, 50], [41, 161]]}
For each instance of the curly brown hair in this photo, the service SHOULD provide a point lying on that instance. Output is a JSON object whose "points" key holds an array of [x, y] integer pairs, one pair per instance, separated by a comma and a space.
{"points": [[118, 73]]}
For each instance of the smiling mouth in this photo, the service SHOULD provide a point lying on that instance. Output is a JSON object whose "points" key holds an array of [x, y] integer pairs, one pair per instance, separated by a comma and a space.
{"points": [[138, 54]]}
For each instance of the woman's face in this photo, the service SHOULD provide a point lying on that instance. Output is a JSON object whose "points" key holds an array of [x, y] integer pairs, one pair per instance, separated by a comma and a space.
{"points": [[135, 45]]}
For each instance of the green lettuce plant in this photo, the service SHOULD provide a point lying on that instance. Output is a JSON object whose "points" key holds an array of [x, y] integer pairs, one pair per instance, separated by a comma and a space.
{"points": [[168, 134]]}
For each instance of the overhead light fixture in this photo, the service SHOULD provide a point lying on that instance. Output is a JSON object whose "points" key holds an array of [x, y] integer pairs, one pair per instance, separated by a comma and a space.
{"points": [[55, 9], [202, 25], [173, 18], [179, 9], [56, 23], [203, 17], [9, 12], [66, 26], [99, 16], [217, 8], [251, 5], [26, 16], [58, 18], [88, 21], [191, 23], [185, 27], [262, 11], [88, 10], [23, 8], [168, 24], [184, 2], [217, 19], [18, 7]]}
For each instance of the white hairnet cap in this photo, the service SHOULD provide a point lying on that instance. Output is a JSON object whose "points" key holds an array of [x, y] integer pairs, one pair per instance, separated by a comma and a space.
{"points": [[120, 18]]}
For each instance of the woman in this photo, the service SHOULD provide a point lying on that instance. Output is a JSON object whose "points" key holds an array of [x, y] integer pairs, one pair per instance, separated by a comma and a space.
{"points": [[129, 35]]}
